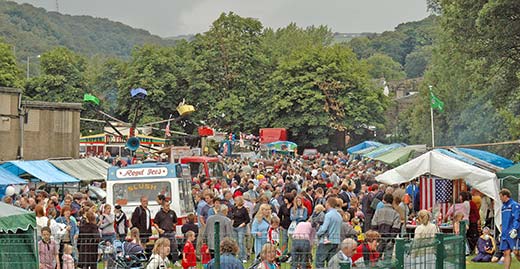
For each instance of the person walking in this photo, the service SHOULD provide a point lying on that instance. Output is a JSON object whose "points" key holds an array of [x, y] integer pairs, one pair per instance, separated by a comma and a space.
{"points": [[329, 233], [142, 219], [510, 225], [226, 229], [301, 251], [165, 222], [260, 227], [240, 218], [88, 242]]}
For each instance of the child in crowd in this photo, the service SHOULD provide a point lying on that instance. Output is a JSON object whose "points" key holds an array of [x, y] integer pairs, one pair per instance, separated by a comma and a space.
{"points": [[457, 218], [189, 259], [206, 256], [357, 227], [318, 216], [273, 235], [68, 261], [159, 258], [134, 236], [121, 223], [47, 250]]}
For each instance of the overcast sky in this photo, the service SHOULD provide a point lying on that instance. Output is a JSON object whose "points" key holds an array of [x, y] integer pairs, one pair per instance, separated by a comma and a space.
{"points": [[177, 17]]}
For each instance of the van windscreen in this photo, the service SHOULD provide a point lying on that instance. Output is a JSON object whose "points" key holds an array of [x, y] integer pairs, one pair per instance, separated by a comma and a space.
{"points": [[130, 193]]}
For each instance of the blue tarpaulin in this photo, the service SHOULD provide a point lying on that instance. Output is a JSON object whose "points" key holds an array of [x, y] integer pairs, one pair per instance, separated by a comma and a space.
{"points": [[8, 178], [363, 145], [488, 157], [455, 155], [41, 170], [382, 150]]}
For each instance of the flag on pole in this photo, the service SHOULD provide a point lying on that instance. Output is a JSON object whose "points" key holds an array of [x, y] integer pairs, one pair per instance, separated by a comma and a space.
{"points": [[167, 132], [435, 102], [90, 98]]}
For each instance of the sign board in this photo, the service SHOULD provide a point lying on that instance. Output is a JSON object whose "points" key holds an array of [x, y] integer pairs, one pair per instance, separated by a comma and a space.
{"points": [[178, 152], [142, 172]]}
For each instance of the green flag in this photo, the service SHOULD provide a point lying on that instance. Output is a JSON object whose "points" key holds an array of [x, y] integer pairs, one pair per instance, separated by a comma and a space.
{"points": [[90, 98], [435, 102]]}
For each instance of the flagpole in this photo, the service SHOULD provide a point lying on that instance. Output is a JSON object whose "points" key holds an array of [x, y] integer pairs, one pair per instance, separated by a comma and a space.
{"points": [[431, 117]]}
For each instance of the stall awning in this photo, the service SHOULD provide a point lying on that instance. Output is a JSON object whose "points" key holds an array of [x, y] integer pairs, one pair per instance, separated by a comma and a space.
{"points": [[487, 156], [13, 218], [84, 169], [8, 178], [41, 170], [363, 145], [401, 155], [382, 150]]}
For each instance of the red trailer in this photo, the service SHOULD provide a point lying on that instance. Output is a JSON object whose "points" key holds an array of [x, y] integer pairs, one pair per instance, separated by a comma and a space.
{"points": [[268, 135]]}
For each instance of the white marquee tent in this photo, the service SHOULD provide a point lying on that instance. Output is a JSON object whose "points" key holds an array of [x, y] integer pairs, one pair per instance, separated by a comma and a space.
{"points": [[438, 164]]}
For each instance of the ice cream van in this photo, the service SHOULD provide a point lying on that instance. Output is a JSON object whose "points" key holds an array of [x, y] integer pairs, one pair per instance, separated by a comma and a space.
{"points": [[126, 185]]}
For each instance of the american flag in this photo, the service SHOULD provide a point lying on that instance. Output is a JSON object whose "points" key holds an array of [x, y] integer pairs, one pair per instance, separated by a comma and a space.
{"points": [[436, 192]]}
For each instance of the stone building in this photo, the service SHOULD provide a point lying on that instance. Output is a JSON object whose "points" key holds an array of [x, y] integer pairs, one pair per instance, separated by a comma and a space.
{"points": [[48, 129]]}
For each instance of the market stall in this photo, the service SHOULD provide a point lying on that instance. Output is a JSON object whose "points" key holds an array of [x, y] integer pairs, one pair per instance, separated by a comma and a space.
{"points": [[38, 171], [401, 155], [363, 145], [18, 245], [437, 164], [510, 179], [87, 169]]}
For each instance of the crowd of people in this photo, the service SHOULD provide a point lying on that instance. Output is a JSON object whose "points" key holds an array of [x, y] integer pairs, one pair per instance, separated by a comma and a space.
{"points": [[270, 211]]}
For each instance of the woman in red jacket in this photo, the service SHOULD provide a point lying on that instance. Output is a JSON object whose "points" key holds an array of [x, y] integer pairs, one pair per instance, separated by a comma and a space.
{"points": [[366, 254]]}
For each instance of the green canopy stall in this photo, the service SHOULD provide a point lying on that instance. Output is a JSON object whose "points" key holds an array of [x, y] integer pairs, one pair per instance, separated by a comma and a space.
{"points": [[18, 245], [401, 155], [510, 179]]}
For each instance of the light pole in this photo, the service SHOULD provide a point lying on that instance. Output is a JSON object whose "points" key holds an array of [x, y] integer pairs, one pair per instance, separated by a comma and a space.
{"points": [[28, 61]]}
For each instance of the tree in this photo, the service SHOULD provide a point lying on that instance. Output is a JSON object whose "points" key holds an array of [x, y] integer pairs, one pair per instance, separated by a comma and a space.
{"points": [[383, 66], [417, 61], [474, 71], [9, 72], [321, 90], [231, 69], [62, 78]]}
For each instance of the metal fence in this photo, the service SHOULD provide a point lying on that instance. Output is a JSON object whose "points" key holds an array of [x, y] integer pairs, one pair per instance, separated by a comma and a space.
{"points": [[393, 251]]}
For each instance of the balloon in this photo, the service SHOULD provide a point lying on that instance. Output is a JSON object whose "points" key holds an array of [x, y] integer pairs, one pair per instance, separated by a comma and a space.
{"points": [[9, 191]]}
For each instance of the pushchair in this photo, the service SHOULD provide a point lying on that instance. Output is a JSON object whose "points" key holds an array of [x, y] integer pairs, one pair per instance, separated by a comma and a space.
{"points": [[123, 255]]}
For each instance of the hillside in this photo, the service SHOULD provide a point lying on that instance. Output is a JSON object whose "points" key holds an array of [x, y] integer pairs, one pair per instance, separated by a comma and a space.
{"points": [[34, 30]]}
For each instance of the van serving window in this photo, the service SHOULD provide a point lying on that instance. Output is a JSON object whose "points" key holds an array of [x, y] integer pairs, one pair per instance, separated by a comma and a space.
{"points": [[130, 193]]}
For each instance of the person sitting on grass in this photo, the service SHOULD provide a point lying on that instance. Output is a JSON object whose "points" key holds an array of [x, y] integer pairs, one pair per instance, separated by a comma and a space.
{"points": [[486, 247]]}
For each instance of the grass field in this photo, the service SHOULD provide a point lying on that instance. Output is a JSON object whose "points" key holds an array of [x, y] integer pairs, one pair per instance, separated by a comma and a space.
{"points": [[469, 265]]}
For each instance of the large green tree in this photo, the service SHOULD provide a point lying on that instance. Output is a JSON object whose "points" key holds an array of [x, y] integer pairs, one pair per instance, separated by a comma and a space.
{"points": [[9, 72], [231, 69], [62, 77], [474, 70], [383, 66], [318, 91]]}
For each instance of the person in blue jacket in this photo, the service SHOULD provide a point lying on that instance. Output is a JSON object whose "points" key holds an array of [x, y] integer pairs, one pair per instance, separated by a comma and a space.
{"points": [[329, 233], [510, 226]]}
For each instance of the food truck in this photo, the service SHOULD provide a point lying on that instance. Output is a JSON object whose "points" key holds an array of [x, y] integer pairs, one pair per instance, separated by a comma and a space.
{"points": [[126, 185]]}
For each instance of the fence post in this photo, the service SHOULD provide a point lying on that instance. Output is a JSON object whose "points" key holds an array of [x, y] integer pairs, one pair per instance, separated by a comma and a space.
{"points": [[441, 256], [399, 252], [462, 247], [217, 245]]}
